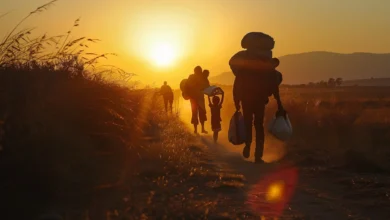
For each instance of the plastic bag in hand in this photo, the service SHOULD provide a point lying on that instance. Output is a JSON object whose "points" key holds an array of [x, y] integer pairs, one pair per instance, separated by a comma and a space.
{"points": [[280, 127], [236, 131]]}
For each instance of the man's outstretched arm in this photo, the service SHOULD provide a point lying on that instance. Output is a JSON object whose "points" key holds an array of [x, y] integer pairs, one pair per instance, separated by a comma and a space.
{"points": [[277, 98], [276, 93]]}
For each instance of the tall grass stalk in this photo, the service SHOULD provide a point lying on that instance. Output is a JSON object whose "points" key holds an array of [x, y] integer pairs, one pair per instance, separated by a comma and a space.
{"points": [[19, 50]]}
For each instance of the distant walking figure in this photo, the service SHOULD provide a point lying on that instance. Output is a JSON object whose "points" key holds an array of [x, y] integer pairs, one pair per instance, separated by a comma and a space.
{"points": [[196, 83], [256, 80], [215, 107], [167, 94]]}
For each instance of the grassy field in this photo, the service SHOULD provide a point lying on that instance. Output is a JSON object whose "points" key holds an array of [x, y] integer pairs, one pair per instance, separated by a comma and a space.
{"points": [[340, 147], [91, 149], [336, 124]]}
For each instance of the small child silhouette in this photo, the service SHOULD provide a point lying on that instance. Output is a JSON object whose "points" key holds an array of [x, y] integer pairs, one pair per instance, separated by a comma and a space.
{"points": [[215, 107]]}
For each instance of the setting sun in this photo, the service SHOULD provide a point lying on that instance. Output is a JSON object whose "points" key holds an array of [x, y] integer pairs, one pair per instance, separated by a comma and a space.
{"points": [[162, 54], [162, 39]]}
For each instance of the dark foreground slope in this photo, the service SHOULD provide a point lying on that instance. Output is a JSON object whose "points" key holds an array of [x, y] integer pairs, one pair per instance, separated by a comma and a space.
{"points": [[87, 149]]}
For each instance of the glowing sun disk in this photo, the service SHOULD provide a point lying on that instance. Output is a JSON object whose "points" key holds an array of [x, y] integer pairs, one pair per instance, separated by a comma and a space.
{"points": [[163, 54]]}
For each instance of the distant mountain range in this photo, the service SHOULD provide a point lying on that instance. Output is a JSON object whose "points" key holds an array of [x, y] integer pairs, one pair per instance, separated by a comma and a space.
{"points": [[316, 66]]}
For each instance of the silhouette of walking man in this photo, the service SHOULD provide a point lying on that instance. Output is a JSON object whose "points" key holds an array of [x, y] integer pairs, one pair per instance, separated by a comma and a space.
{"points": [[197, 82], [256, 79], [167, 94]]}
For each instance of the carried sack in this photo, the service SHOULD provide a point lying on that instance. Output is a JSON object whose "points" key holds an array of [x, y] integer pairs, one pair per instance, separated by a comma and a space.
{"points": [[236, 131], [212, 91], [184, 90], [257, 40], [280, 127]]}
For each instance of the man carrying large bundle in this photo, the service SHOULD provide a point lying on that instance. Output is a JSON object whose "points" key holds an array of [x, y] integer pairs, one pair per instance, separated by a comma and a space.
{"points": [[256, 80]]}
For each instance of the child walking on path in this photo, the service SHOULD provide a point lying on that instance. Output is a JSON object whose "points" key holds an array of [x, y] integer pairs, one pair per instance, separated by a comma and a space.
{"points": [[215, 106]]}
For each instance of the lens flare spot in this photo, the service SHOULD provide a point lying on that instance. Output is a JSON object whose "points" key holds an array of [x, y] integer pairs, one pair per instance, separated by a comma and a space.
{"points": [[275, 192]]}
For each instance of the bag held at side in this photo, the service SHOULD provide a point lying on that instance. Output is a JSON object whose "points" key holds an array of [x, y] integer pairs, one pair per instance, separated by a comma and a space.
{"points": [[236, 131], [280, 127]]}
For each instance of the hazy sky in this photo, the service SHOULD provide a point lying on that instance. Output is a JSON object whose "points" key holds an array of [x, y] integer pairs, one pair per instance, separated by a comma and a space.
{"points": [[208, 32]]}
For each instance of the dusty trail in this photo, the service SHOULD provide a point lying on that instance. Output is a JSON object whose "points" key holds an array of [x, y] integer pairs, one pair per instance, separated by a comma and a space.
{"points": [[320, 193]]}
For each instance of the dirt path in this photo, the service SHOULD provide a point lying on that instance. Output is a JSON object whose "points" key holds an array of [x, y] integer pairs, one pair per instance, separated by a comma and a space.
{"points": [[317, 192]]}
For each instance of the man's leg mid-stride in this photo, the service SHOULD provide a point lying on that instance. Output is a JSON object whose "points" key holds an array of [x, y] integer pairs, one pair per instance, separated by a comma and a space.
{"points": [[259, 127], [202, 119], [194, 118], [171, 105], [247, 110], [166, 104]]}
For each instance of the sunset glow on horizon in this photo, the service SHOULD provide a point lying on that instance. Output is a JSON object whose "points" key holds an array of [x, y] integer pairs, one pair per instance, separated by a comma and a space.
{"points": [[164, 40]]}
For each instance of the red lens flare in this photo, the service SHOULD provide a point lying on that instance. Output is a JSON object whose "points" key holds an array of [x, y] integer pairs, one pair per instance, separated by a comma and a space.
{"points": [[270, 196]]}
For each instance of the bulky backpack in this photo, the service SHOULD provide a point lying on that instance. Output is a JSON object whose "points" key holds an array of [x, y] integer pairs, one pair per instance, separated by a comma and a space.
{"points": [[184, 90]]}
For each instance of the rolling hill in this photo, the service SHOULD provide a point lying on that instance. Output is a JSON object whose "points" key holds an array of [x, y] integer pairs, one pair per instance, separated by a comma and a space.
{"points": [[317, 66]]}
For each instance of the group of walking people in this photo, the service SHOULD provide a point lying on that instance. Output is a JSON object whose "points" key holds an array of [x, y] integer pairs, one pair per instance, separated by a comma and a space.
{"points": [[256, 79], [195, 85]]}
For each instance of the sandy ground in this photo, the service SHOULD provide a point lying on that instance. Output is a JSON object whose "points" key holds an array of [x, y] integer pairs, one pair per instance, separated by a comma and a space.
{"points": [[283, 190]]}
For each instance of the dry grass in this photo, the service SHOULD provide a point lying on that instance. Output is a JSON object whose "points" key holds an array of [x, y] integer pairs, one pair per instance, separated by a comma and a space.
{"points": [[67, 130], [64, 136], [65, 54], [347, 127]]}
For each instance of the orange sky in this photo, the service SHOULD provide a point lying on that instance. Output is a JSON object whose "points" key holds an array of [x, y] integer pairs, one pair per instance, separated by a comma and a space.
{"points": [[208, 32]]}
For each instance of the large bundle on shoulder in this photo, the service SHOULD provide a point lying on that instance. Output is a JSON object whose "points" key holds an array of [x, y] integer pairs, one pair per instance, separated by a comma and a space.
{"points": [[254, 67], [258, 40], [245, 61], [257, 56]]}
